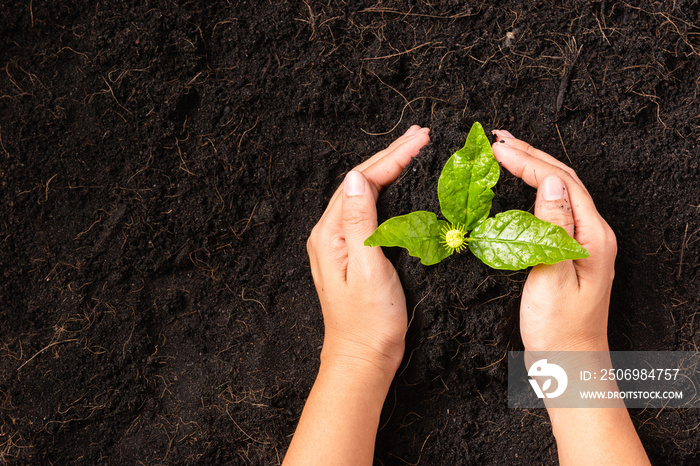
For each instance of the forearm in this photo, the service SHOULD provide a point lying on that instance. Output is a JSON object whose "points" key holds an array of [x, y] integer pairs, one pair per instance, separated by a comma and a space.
{"points": [[596, 436], [340, 419]]}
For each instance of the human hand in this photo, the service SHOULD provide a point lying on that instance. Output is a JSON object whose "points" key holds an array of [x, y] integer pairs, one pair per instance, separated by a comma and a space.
{"points": [[364, 313], [363, 303], [564, 306]]}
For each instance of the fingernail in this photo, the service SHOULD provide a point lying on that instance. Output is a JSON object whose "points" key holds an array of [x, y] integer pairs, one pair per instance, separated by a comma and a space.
{"points": [[354, 183], [552, 188], [412, 130], [503, 133]]}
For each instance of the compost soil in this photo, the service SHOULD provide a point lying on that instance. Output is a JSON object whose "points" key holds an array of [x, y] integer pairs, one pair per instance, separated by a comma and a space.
{"points": [[163, 162]]}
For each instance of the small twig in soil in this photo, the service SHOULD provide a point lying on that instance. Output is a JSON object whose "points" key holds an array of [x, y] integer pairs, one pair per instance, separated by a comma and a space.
{"points": [[244, 432], [88, 229], [46, 198], [140, 170], [400, 117], [221, 198], [194, 79], [44, 349], [494, 363], [115, 98], [395, 126], [570, 56], [183, 166], [74, 51], [497, 298], [234, 130], [240, 141], [238, 235], [402, 53], [230, 21], [250, 299], [413, 314], [393, 89], [14, 83], [404, 13], [420, 453], [692, 428], [562, 144], [207, 269], [3, 145], [408, 362], [601, 28], [655, 100], [683, 245], [312, 20]]}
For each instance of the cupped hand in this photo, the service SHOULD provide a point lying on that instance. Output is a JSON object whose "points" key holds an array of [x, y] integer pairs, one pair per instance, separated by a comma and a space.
{"points": [[564, 306], [363, 303]]}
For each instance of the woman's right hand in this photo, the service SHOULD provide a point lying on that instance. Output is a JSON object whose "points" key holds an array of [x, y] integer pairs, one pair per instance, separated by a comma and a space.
{"points": [[564, 306]]}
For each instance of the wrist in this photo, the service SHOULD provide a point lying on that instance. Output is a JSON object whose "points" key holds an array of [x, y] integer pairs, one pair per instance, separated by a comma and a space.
{"points": [[361, 363], [599, 343], [349, 378], [342, 414]]}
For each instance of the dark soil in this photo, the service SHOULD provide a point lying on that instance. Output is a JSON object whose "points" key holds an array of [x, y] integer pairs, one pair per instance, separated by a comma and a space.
{"points": [[162, 164]]}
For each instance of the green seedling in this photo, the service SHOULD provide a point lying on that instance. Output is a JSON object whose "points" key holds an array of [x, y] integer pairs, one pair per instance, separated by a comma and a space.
{"points": [[511, 240]]}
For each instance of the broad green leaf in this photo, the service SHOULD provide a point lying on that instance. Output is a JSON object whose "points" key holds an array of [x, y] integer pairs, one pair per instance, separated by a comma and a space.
{"points": [[419, 232], [514, 240], [464, 187]]}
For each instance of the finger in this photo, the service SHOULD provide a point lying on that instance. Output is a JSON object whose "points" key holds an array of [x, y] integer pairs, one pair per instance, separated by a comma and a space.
{"points": [[409, 132], [532, 170], [328, 233], [386, 169], [385, 166], [552, 205], [359, 219], [382, 171], [590, 230], [515, 143], [328, 253]]}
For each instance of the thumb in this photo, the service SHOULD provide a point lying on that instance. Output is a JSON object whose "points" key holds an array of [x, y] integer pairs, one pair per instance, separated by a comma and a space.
{"points": [[552, 204], [359, 215]]}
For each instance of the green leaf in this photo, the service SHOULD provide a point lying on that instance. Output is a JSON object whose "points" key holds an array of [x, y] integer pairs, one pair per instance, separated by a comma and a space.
{"points": [[419, 232], [514, 240], [464, 187]]}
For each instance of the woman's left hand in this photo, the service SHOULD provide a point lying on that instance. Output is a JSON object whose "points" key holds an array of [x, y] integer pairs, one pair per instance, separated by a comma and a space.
{"points": [[364, 308]]}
